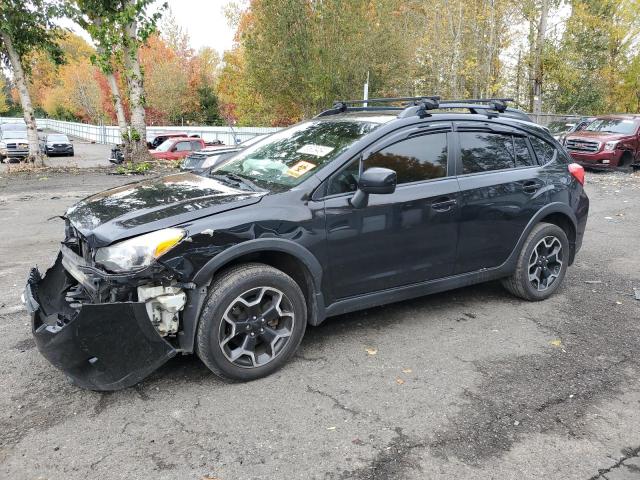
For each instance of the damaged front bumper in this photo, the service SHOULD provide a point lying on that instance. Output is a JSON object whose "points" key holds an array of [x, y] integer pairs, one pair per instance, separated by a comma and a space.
{"points": [[100, 346]]}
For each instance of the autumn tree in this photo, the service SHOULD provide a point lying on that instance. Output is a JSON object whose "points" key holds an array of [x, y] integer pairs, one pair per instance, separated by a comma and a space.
{"points": [[27, 27], [4, 103]]}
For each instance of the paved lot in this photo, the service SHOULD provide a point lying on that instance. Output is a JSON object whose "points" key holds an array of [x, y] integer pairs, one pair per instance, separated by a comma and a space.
{"points": [[466, 384]]}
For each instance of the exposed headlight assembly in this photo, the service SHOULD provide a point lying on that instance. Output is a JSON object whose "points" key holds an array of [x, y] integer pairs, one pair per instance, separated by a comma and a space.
{"points": [[609, 146], [138, 252]]}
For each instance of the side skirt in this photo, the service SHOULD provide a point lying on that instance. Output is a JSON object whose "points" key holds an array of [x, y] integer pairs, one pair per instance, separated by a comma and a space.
{"points": [[415, 290]]}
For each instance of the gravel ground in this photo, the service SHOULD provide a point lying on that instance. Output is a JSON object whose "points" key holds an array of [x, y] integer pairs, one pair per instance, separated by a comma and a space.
{"points": [[471, 383]]}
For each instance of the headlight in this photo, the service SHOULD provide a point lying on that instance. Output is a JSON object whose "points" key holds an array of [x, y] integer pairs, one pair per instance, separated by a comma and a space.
{"points": [[139, 251], [610, 145]]}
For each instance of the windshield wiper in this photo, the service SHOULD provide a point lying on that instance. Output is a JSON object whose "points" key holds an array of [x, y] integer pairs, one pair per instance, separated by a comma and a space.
{"points": [[235, 180]]}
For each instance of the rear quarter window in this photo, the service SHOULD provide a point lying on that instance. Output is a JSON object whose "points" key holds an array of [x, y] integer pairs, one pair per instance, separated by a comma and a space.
{"points": [[545, 152]]}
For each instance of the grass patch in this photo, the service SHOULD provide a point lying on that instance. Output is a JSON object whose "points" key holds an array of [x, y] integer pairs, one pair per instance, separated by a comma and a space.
{"points": [[131, 168]]}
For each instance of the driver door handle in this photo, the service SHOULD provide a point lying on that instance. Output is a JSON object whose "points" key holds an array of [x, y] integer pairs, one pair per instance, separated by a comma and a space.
{"points": [[444, 204], [531, 186]]}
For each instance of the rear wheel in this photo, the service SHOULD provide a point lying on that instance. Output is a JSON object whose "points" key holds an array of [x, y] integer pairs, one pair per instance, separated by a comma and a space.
{"points": [[252, 322], [542, 263]]}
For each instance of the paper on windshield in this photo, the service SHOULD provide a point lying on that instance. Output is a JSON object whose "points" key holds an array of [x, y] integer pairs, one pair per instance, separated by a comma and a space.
{"points": [[315, 150], [300, 169]]}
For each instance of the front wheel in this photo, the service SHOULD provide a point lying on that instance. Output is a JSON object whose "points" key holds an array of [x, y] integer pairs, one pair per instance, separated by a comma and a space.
{"points": [[252, 322], [542, 264]]}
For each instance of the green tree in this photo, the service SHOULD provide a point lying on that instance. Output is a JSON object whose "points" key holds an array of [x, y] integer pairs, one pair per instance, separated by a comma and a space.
{"points": [[27, 27]]}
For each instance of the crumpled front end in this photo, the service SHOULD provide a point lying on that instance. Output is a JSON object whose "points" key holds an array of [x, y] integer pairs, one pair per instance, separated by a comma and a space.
{"points": [[101, 343]]}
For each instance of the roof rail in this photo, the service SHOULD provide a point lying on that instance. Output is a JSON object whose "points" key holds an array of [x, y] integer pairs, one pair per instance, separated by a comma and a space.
{"points": [[416, 106], [387, 100], [497, 104]]}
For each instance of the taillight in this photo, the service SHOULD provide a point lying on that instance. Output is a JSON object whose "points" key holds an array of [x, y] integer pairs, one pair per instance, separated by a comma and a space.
{"points": [[577, 172]]}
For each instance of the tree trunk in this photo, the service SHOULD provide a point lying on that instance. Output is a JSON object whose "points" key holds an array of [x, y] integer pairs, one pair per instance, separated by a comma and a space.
{"points": [[537, 80], [122, 119], [133, 72], [35, 154]]}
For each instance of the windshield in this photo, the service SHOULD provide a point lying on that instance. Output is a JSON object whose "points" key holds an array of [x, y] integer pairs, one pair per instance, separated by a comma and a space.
{"points": [[165, 146], [612, 125], [57, 138], [559, 127], [288, 157], [17, 135]]}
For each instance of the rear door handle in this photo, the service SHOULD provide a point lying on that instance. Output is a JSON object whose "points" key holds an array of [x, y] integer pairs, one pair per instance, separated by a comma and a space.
{"points": [[443, 204], [531, 186]]}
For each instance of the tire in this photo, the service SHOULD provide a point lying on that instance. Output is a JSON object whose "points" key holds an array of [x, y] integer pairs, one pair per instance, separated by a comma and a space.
{"points": [[218, 342], [520, 283], [626, 163]]}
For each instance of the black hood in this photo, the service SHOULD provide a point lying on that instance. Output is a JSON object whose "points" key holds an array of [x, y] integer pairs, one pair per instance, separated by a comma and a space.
{"points": [[149, 205]]}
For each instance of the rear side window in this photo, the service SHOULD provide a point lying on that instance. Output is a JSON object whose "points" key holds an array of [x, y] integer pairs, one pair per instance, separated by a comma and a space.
{"points": [[483, 152], [183, 147], [196, 146], [415, 159], [544, 150]]}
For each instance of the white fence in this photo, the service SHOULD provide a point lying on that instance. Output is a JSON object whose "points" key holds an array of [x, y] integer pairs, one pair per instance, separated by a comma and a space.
{"points": [[109, 134]]}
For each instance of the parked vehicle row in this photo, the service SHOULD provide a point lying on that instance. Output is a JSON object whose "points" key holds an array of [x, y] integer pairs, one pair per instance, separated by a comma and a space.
{"points": [[14, 144], [561, 128], [168, 146], [610, 141], [357, 207]]}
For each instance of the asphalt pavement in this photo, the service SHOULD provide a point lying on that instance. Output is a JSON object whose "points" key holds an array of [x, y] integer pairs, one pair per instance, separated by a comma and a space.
{"points": [[471, 383]]}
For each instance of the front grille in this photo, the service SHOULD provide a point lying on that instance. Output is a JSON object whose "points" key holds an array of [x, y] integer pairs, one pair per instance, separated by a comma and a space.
{"points": [[584, 146]]}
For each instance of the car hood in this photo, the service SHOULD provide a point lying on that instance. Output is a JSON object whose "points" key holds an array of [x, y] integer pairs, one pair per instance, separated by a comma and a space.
{"points": [[149, 205], [599, 136]]}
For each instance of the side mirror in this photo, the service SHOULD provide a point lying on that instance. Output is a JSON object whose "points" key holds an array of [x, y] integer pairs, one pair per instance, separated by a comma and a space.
{"points": [[376, 180]]}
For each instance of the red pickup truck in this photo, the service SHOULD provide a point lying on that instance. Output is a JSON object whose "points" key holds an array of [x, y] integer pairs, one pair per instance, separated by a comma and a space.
{"points": [[610, 141], [177, 148]]}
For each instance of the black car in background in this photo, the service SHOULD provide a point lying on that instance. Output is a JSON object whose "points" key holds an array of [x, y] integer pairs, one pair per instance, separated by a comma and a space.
{"points": [[357, 207], [210, 157], [57, 144], [206, 158]]}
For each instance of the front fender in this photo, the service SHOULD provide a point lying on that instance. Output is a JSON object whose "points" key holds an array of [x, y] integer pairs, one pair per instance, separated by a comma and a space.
{"points": [[204, 275]]}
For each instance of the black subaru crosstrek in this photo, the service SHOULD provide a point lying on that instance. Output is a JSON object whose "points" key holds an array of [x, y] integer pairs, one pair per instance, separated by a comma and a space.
{"points": [[357, 207]]}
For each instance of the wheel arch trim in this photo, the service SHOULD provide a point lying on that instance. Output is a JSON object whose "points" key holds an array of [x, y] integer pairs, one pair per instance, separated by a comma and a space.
{"points": [[202, 279], [550, 209], [205, 274]]}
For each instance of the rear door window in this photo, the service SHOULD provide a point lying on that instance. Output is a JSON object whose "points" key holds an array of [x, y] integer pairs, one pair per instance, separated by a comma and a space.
{"points": [[484, 152], [195, 146], [183, 147]]}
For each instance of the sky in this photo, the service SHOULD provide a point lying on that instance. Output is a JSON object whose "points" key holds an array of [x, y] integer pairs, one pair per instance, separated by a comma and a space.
{"points": [[203, 20]]}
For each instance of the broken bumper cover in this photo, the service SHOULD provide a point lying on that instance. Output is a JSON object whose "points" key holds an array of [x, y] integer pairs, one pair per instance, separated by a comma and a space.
{"points": [[106, 346]]}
